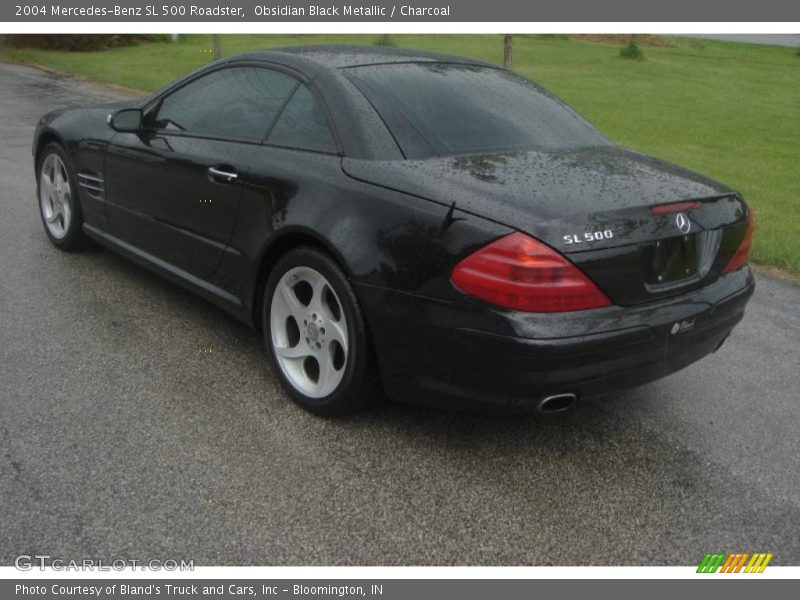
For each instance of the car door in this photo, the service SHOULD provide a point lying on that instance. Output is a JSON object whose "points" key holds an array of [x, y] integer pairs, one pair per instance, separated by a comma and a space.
{"points": [[174, 189], [293, 176]]}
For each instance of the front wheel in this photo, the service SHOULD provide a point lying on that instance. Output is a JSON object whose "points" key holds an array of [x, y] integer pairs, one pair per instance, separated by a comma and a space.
{"points": [[316, 335], [59, 206]]}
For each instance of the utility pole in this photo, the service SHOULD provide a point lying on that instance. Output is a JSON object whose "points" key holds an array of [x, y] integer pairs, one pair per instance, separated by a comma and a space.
{"points": [[508, 42], [217, 47]]}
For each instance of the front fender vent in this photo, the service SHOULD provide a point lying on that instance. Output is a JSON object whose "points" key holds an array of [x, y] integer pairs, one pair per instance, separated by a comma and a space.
{"points": [[93, 184]]}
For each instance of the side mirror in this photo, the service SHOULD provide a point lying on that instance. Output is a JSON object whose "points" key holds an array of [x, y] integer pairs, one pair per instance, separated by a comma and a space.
{"points": [[127, 120]]}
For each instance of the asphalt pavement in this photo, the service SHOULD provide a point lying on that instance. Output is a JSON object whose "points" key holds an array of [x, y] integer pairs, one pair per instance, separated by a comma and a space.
{"points": [[122, 436]]}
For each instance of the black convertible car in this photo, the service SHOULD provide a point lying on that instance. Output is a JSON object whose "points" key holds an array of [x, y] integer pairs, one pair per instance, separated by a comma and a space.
{"points": [[425, 225]]}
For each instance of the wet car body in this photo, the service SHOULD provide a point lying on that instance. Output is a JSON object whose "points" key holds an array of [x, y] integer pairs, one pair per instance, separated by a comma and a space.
{"points": [[398, 221]]}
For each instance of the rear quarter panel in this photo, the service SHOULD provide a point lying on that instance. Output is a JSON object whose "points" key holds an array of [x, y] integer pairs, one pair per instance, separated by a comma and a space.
{"points": [[384, 240]]}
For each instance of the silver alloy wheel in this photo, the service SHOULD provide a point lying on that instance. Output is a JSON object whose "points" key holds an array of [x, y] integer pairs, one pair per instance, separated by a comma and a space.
{"points": [[55, 195], [309, 332]]}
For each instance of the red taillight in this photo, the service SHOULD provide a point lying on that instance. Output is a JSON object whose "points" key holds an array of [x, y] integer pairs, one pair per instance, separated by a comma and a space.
{"points": [[521, 273], [738, 258]]}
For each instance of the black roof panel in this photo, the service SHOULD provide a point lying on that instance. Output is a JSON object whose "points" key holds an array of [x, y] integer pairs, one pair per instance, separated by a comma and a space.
{"points": [[340, 56]]}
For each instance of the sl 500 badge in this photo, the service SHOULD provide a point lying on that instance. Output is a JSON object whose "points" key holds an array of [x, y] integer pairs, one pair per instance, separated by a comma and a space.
{"points": [[588, 236]]}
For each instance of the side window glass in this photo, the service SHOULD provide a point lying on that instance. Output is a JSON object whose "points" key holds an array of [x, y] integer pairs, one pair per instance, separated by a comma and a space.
{"points": [[303, 124], [237, 102]]}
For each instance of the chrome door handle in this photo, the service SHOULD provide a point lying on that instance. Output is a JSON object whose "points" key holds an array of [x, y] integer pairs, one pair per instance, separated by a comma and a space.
{"points": [[218, 174]]}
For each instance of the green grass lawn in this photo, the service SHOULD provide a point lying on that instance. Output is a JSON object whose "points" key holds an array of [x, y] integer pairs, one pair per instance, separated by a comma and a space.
{"points": [[730, 111]]}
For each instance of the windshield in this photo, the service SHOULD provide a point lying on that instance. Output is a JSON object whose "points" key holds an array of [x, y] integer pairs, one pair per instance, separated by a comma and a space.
{"points": [[440, 109]]}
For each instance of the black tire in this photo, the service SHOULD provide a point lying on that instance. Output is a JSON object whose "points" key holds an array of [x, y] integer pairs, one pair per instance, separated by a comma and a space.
{"points": [[360, 385], [74, 238]]}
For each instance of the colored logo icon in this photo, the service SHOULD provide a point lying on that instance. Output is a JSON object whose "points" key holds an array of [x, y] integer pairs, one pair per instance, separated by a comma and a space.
{"points": [[735, 562]]}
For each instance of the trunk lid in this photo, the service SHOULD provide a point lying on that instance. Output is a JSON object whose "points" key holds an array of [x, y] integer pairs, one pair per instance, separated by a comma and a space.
{"points": [[593, 205]]}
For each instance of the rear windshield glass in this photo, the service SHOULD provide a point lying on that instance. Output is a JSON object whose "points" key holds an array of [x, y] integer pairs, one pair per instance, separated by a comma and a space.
{"points": [[444, 109]]}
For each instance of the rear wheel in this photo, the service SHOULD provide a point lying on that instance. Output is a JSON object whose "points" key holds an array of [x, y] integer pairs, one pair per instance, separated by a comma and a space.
{"points": [[58, 201], [317, 336]]}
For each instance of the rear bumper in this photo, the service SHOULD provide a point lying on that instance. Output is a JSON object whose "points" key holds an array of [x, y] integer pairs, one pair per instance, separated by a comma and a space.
{"points": [[461, 356]]}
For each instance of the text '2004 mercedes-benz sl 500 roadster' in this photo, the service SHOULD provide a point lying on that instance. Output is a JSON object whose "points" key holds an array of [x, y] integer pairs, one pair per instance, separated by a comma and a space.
{"points": [[425, 226]]}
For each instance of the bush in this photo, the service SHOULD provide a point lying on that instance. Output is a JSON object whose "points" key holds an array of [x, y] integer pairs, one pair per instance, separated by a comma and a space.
{"points": [[77, 42], [632, 51]]}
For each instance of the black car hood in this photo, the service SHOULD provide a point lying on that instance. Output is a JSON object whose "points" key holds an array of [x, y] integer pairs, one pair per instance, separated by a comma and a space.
{"points": [[535, 191], [95, 109]]}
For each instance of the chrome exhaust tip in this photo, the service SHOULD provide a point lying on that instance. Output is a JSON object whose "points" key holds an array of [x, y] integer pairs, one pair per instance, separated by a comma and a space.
{"points": [[557, 403]]}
